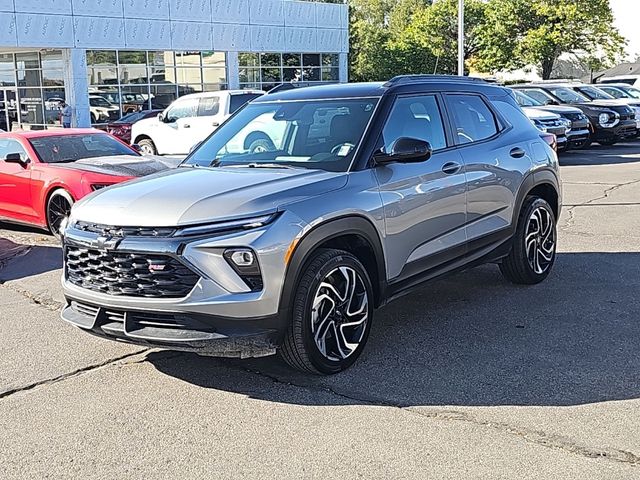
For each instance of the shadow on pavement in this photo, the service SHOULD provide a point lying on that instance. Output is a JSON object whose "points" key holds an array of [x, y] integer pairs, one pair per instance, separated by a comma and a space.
{"points": [[474, 340], [37, 260], [599, 155]]}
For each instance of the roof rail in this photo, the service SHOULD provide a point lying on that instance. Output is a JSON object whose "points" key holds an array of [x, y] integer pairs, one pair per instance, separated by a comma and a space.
{"points": [[288, 86], [402, 79]]}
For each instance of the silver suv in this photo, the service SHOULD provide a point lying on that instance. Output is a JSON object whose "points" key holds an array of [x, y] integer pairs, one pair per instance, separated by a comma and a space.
{"points": [[357, 194]]}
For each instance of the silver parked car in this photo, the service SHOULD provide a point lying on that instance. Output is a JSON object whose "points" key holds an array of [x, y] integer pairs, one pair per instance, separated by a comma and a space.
{"points": [[360, 193]]}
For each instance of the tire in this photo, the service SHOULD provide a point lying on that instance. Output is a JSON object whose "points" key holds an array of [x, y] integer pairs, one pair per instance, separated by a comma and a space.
{"points": [[586, 144], [324, 279], [537, 229], [609, 142], [58, 208], [147, 147], [261, 145]]}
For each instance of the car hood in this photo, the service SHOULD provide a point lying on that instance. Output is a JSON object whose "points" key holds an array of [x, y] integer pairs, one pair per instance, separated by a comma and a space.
{"points": [[187, 196], [538, 114], [605, 103], [122, 165], [559, 109]]}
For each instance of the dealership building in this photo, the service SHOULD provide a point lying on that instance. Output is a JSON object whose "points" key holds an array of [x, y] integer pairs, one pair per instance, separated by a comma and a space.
{"points": [[107, 58]]}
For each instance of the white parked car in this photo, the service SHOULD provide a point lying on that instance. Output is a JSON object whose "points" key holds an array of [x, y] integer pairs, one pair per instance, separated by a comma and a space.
{"points": [[102, 110], [187, 121], [631, 80]]}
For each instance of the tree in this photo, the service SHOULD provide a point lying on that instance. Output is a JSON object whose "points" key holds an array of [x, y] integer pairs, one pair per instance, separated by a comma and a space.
{"points": [[380, 47], [517, 33], [436, 29]]}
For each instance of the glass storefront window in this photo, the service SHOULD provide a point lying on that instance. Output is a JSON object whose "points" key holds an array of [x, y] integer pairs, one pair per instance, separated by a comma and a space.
{"points": [[27, 60], [29, 78], [156, 77], [311, 60], [249, 59], [214, 75], [266, 70], [188, 75]]}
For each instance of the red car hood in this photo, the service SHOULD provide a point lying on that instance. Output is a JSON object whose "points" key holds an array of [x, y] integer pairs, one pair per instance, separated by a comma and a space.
{"points": [[122, 166]]}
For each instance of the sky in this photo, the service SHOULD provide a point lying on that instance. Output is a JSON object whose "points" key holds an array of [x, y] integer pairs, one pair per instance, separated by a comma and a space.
{"points": [[627, 13]]}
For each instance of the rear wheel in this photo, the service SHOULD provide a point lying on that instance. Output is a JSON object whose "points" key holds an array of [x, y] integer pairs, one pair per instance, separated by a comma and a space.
{"points": [[147, 147], [534, 245], [58, 211], [331, 315]]}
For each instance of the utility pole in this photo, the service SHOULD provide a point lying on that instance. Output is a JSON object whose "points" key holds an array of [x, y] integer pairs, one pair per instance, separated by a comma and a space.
{"points": [[461, 38]]}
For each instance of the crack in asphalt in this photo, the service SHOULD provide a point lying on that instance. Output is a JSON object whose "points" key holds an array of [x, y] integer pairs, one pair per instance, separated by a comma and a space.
{"points": [[74, 373], [535, 437], [41, 300], [605, 194]]}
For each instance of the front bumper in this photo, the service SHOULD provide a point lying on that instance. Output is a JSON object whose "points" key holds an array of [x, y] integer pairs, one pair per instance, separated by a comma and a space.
{"points": [[624, 129], [219, 316], [577, 138], [203, 334]]}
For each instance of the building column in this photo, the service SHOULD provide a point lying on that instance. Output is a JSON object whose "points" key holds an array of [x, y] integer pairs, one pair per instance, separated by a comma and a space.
{"points": [[76, 85], [344, 67], [233, 71]]}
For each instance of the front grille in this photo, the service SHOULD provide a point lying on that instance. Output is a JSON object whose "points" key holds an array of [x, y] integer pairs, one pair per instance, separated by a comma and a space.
{"points": [[126, 273], [579, 121], [554, 126], [121, 232]]}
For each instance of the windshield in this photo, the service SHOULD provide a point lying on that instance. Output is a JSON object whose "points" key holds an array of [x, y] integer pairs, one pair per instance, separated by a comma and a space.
{"points": [[135, 116], [634, 92], [525, 100], [315, 134], [595, 93], [615, 92], [540, 96], [567, 95], [69, 148], [99, 102]]}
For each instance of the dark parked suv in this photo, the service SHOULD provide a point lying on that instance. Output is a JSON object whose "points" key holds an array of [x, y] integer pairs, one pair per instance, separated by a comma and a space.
{"points": [[611, 120], [361, 193]]}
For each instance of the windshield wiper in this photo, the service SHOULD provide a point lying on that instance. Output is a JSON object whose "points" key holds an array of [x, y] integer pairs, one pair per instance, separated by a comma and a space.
{"points": [[262, 165], [66, 160]]}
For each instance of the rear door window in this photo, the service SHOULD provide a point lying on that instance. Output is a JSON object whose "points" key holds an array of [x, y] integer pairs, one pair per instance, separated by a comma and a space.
{"points": [[209, 106], [472, 118]]}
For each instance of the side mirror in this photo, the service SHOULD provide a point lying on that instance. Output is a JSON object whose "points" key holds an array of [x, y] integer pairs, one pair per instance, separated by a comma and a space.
{"points": [[161, 117], [16, 158], [405, 150]]}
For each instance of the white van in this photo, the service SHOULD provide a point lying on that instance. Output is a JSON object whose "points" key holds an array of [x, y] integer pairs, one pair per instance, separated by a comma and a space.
{"points": [[187, 121], [632, 80]]}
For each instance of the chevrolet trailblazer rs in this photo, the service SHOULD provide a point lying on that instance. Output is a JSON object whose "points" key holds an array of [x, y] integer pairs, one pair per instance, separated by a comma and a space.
{"points": [[358, 194]]}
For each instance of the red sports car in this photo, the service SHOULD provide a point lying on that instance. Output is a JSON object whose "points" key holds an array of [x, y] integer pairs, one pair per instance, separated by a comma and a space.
{"points": [[42, 173]]}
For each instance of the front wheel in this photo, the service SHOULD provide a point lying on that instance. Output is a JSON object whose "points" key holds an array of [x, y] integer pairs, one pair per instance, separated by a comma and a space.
{"points": [[608, 142], [58, 211], [331, 314], [147, 147], [534, 244]]}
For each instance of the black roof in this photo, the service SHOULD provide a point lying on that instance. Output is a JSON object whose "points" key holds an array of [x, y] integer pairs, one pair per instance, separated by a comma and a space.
{"points": [[401, 84]]}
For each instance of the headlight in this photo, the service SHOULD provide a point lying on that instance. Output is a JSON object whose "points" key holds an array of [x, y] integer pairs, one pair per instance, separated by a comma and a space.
{"points": [[221, 227], [539, 125]]}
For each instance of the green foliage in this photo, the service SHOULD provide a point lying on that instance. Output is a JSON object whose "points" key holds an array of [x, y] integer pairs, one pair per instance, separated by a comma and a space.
{"points": [[517, 33], [391, 37]]}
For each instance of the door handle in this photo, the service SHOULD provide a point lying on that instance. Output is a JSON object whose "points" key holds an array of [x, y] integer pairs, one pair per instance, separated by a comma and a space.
{"points": [[215, 124], [186, 125], [517, 152], [451, 167]]}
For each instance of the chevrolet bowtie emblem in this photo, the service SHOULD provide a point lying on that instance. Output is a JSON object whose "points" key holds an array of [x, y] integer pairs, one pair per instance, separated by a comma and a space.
{"points": [[106, 242]]}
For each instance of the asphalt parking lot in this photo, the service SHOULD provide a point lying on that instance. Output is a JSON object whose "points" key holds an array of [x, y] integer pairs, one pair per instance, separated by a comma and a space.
{"points": [[470, 378]]}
